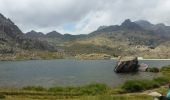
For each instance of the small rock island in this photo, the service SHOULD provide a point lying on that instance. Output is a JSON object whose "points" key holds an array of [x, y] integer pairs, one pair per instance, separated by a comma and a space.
{"points": [[131, 64]]}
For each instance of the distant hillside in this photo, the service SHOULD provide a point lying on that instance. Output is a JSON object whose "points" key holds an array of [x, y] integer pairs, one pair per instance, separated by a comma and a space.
{"points": [[125, 26], [139, 38], [130, 33], [54, 37], [129, 38]]}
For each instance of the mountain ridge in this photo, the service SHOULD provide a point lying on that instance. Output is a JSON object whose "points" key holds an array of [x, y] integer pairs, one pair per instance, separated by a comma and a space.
{"points": [[139, 38], [139, 25]]}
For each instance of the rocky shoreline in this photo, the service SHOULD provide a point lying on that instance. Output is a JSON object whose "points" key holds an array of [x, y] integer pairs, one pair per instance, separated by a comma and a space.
{"points": [[39, 55]]}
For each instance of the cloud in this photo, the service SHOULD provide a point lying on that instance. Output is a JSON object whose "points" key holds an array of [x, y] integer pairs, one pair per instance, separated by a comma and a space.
{"points": [[81, 16]]}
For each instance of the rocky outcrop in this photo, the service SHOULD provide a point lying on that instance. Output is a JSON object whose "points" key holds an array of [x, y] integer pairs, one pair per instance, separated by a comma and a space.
{"points": [[128, 24], [127, 64], [130, 64], [12, 38], [9, 28]]}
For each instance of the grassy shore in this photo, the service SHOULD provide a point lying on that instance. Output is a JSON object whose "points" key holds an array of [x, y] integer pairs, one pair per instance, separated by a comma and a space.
{"points": [[21, 94]]}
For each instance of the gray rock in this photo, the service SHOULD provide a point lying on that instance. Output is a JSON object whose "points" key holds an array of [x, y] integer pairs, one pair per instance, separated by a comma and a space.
{"points": [[127, 64]]}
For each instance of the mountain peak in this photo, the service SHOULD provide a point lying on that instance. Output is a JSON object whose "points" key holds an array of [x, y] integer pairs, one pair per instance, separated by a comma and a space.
{"points": [[102, 27], [143, 23], [32, 31], [160, 25], [34, 34], [53, 34], [128, 24], [5, 21], [127, 21]]}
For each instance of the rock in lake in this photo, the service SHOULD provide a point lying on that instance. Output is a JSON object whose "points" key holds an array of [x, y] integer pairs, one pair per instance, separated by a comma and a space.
{"points": [[127, 64]]}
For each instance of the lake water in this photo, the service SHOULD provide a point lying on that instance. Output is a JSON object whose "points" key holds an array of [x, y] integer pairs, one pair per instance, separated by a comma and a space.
{"points": [[49, 73]]}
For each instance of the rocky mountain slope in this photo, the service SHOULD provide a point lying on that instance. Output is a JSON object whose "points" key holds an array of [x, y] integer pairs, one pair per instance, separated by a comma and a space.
{"points": [[12, 39], [139, 38], [129, 38], [159, 29]]}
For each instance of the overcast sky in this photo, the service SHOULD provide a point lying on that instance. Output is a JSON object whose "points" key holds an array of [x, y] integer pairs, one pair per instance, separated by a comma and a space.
{"points": [[81, 16]]}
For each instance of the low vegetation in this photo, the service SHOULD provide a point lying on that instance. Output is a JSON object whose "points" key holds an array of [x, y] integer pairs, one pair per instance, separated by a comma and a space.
{"points": [[2, 96], [91, 89], [34, 88], [141, 85], [153, 69]]}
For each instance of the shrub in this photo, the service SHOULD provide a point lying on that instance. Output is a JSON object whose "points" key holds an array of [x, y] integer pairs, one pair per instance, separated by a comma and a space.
{"points": [[34, 88], [162, 80], [2, 96], [132, 86], [165, 70], [93, 89], [139, 85], [154, 69], [56, 89]]}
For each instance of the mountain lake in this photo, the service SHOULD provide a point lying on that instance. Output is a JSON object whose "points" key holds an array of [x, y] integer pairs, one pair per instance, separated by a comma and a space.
{"points": [[48, 73]]}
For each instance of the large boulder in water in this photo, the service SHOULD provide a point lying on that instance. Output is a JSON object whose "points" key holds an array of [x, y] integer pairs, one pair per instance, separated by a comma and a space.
{"points": [[127, 64]]}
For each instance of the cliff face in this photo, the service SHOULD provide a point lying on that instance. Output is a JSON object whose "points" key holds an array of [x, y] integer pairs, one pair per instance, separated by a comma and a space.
{"points": [[9, 28], [12, 39]]}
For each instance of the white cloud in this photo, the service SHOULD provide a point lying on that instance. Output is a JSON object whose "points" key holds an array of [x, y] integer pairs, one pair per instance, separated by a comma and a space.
{"points": [[87, 15]]}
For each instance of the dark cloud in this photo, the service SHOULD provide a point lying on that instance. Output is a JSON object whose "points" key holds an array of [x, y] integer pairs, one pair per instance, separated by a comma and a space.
{"points": [[85, 15]]}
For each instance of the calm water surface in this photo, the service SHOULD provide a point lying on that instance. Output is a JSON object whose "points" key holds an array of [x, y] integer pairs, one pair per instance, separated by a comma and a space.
{"points": [[49, 73]]}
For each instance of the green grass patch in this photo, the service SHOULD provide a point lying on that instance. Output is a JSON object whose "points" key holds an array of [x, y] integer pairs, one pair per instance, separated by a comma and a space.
{"points": [[139, 85], [166, 70], [91, 89], [162, 80]]}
